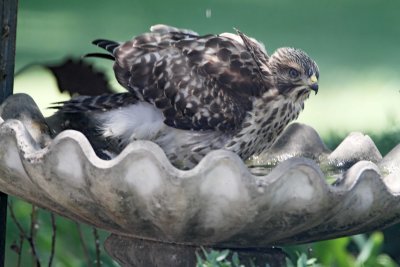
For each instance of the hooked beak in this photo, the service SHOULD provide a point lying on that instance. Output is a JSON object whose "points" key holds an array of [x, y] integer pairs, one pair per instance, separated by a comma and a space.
{"points": [[313, 83]]}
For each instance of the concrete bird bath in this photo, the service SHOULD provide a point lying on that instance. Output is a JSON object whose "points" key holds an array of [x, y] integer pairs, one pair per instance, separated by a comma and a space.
{"points": [[158, 215]]}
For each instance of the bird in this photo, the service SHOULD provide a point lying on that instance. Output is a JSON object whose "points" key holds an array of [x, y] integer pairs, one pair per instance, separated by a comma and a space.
{"points": [[192, 94]]}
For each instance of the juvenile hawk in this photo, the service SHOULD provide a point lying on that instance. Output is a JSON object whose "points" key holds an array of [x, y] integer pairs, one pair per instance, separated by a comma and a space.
{"points": [[191, 94]]}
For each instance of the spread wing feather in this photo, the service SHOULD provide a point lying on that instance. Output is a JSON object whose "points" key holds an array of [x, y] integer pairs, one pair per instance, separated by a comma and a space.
{"points": [[199, 82]]}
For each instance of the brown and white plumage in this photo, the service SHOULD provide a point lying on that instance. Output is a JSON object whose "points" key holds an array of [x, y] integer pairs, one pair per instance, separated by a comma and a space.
{"points": [[191, 94]]}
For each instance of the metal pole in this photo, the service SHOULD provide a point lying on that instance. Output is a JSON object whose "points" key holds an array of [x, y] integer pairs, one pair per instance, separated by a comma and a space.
{"points": [[3, 224], [8, 23]]}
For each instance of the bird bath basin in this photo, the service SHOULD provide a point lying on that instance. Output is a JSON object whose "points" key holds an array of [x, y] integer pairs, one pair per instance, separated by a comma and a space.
{"points": [[283, 198]]}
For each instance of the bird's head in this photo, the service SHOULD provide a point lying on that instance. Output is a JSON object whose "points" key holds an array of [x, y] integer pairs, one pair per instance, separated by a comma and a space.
{"points": [[294, 71]]}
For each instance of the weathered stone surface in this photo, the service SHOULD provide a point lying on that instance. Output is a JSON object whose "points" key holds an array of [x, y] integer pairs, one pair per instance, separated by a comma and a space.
{"points": [[139, 194], [355, 147], [22, 107], [298, 140], [390, 166]]}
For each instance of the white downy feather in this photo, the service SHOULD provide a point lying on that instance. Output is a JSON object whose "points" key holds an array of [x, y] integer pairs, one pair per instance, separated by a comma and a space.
{"points": [[138, 121]]}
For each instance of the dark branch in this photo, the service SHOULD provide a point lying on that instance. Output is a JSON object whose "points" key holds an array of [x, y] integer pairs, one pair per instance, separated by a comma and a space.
{"points": [[31, 239], [53, 238], [97, 244], [24, 235]]}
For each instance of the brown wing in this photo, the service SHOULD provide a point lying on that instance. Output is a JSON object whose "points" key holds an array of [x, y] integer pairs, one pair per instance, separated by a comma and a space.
{"points": [[199, 82]]}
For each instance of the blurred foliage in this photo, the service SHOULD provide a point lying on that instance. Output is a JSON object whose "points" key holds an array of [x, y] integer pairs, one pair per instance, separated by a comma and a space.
{"points": [[215, 258], [69, 250], [355, 44], [355, 251], [302, 261], [367, 252], [226, 258], [385, 140]]}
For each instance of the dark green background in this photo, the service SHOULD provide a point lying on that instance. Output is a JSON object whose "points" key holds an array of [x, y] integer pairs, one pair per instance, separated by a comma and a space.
{"points": [[355, 43]]}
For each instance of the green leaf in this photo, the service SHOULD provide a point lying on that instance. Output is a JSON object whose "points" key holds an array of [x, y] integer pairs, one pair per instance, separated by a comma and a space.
{"points": [[222, 255], [311, 261], [369, 253], [235, 260], [199, 260], [289, 263], [384, 260], [360, 240], [302, 260], [333, 253]]}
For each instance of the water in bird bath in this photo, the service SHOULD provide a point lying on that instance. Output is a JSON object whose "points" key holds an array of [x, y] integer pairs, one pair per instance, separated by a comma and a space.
{"points": [[302, 141], [333, 171]]}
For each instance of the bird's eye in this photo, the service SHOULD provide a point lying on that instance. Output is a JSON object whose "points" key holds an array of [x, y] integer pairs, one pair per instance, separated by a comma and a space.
{"points": [[293, 73]]}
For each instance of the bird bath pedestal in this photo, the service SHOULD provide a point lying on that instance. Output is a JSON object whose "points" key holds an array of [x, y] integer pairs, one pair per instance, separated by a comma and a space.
{"points": [[139, 252], [160, 216]]}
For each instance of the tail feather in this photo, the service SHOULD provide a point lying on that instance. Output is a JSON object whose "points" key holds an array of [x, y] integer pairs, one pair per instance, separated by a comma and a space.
{"points": [[106, 44], [100, 55]]}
